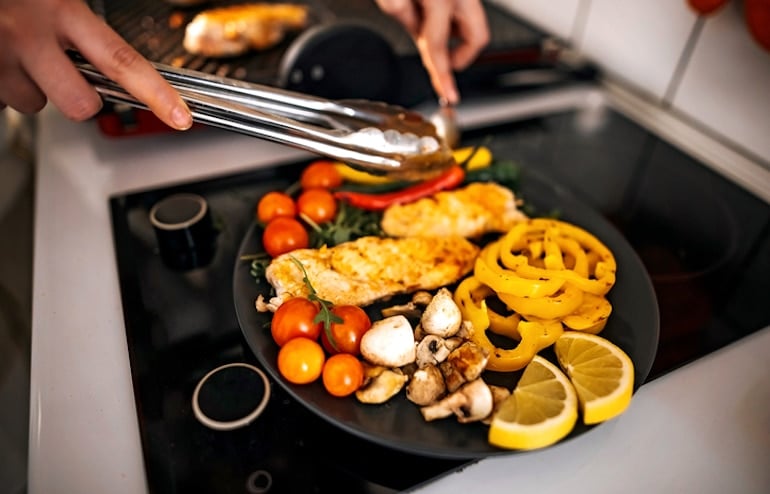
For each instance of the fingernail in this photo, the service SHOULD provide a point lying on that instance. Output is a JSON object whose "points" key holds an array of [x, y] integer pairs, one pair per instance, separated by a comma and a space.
{"points": [[181, 117]]}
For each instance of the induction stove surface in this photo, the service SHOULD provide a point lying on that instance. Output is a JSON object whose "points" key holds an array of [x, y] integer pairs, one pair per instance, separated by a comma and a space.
{"points": [[702, 238]]}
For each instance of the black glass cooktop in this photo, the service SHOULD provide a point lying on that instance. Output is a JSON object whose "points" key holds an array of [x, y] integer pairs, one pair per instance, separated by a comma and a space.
{"points": [[703, 240]]}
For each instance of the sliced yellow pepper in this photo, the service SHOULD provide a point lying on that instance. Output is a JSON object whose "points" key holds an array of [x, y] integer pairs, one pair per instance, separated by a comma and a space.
{"points": [[473, 308], [354, 175], [591, 316], [481, 159], [489, 272], [535, 335], [599, 282], [556, 306]]}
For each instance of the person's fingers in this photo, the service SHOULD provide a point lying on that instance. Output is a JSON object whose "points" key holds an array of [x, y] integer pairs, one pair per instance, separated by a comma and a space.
{"points": [[433, 44], [472, 30], [119, 61], [21, 93], [405, 12], [55, 75]]}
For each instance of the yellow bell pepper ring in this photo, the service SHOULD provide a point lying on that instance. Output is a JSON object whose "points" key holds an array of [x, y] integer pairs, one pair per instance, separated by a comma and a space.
{"points": [[556, 306], [501, 280], [482, 158], [507, 325], [591, 316], [473, 309], [535, 335], [599, 282]]}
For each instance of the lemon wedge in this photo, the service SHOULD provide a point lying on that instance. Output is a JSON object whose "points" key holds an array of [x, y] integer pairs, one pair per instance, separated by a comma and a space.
{"points": [[541, 410], [602, 373]]}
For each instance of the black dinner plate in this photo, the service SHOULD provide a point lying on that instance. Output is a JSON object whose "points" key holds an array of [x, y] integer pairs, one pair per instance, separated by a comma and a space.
{"points": [[398, 424]]}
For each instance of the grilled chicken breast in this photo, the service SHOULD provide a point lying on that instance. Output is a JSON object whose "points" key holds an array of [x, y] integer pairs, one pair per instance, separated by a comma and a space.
{"points": [[236, 29], [369, 269], [471, 211]]}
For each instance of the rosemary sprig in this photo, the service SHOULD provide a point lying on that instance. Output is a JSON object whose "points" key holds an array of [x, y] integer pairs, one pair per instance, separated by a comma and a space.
{"points": [[349, 224], [259, 263], [325, 315]]}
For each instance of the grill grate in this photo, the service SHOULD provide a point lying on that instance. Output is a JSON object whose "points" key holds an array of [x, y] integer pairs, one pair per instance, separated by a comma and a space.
{"points": [[156, 29]]}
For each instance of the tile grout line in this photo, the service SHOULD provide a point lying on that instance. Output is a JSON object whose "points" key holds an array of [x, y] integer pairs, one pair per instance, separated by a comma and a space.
{"points": [[681, 65]]}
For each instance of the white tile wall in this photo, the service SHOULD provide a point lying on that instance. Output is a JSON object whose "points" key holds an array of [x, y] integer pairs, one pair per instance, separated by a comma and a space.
{"points": [[726, 86], [720, 80], [558, 17], [639, 42]]}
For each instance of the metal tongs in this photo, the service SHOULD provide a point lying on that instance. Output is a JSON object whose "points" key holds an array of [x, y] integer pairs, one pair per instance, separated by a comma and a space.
{"points": [[376, 137]]}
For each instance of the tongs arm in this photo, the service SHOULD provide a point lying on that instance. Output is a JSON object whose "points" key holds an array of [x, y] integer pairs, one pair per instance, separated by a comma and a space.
{"points": [[380, 138]]}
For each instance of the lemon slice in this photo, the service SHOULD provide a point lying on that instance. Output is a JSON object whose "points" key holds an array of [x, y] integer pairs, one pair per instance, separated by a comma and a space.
{"points": [[602, 373], [542, 409]]}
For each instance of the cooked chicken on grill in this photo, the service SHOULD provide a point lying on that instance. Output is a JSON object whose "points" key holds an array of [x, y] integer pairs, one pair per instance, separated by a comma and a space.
{"points": [[368, 269], [471, 211], [236, 29]]}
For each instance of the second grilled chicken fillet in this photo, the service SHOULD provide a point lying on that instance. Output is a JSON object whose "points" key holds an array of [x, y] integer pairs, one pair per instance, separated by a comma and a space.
{"points": [[236, 29], [471, 211], [369, 269]]}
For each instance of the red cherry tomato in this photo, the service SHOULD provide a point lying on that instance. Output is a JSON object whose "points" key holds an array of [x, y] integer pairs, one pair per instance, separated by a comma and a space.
{"points": [[284, 235], [317, 204], [295, 318], [321, 173], [706, 7], [275, 204], [347, 334], [757, 14], [301, 360], [342, 374]]}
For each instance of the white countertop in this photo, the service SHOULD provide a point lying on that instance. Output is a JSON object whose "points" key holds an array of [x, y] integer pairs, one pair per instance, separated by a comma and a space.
{"points": [[703, 428]]}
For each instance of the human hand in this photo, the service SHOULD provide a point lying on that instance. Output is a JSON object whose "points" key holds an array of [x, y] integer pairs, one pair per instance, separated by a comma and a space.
{"points": [[34, 67], [432, 23]]}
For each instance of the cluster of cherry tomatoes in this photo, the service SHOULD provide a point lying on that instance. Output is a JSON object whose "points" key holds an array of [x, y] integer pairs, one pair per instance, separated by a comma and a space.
{"points": [[281, 213], [311, 349]]}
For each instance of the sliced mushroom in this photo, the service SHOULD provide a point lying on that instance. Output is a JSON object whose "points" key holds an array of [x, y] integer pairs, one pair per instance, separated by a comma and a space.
{"points": [[466, 328], [409, 309], [422, 297], [389, 342], [419, 333], [473, 402], [431, 350], [454, 342], [380, 384], [464, 364], [426, 385], [442, 317]]}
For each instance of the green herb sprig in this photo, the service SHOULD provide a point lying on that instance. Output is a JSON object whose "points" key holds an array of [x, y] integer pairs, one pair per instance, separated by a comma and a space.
{"points": [[350, 223], [325, 315]]}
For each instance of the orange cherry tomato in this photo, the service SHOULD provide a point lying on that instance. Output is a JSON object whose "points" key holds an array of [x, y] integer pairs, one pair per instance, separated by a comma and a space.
{"points": [[284, 235], [317, 204], [275, 204], [301, 360], [342, 374], [320, 173], [347, 334], [294, 318]]}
